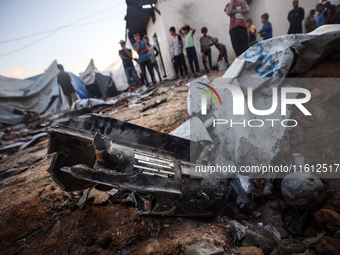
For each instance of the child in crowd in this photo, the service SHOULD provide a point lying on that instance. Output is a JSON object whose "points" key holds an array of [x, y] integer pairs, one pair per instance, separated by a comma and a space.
{"points": [[336, 17], [153, 53], [223, 51], [205, 42], [267, 31], [143, 58], [178, 59], [188, 33], [320, 20], [310, 21], [252, 32]]}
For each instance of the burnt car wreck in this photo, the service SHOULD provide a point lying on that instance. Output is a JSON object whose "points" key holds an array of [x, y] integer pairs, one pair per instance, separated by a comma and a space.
{"points": [[93, 150]]}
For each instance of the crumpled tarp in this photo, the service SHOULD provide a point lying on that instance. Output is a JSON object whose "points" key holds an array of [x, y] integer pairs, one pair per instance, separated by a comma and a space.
{"points": [[92, 102], [77, 82], [79, 86], [20, 98], [261, 67], [99, 84]]}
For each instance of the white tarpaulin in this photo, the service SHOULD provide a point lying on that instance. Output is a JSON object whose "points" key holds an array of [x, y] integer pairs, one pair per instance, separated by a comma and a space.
{"points": [[261, 68], [18, 97], [118, 74], [115, 71]]}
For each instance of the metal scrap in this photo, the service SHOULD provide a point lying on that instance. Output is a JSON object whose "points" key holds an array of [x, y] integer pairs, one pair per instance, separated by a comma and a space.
{"points": [[154, 166], [152, 105]]}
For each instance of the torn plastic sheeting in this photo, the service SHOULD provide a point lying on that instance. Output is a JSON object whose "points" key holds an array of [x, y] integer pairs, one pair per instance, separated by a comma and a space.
{"points": [[93, 149], [92, 102], [153, 104], [44, 95], [262, 67], [79, 86], [99, 84], [33, 140]]}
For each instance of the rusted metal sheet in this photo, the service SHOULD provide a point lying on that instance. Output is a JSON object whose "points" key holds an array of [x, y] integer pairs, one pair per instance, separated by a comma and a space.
{"points": [[98, 150]]}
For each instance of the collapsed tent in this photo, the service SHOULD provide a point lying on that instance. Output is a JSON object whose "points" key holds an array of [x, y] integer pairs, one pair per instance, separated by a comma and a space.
{"points": [[99, 84], [77, 83], [79, 86], [118, 74], [22, 100]]}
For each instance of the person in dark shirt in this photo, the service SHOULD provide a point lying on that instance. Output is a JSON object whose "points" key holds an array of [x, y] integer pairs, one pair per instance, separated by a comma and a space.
{"points": [[236, 10], [130, 71], [295, 18], [65, 82], [336, 17], [252, 32], [267, 31], [330, 12], [178, 59]]}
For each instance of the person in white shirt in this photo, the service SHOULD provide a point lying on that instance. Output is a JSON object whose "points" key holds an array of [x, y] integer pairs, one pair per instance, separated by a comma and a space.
{"points": [[177, 44]]}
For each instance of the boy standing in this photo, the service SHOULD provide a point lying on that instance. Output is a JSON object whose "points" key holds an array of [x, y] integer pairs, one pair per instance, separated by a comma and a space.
{"points": [[320, 20], [144, 60], [153, 53], [267, 31], [177, 44], [205, 42], [188, 33], [310, 22], [223, 51], [130, 71], [252, 32]]}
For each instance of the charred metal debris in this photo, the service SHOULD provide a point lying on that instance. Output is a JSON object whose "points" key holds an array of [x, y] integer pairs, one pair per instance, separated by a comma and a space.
{"points": [[94, 150]]}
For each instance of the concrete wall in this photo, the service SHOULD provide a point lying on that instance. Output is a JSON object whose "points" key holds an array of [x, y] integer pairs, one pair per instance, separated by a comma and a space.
{"points": [[199, 13], [163, 36]]}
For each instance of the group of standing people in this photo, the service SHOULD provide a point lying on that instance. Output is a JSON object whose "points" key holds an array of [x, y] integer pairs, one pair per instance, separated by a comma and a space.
{"points": [[188, 43], [327, 14], [242, 34], [147, 54], [242, 31]]}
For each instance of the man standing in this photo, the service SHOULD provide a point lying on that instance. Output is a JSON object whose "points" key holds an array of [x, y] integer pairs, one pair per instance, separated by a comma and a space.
{"points": [[144, 59], [310, 22], [153, 53], [177, 44], [65, 81], [237, 9], [295, 18], [130, 71], [206, 41]]}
